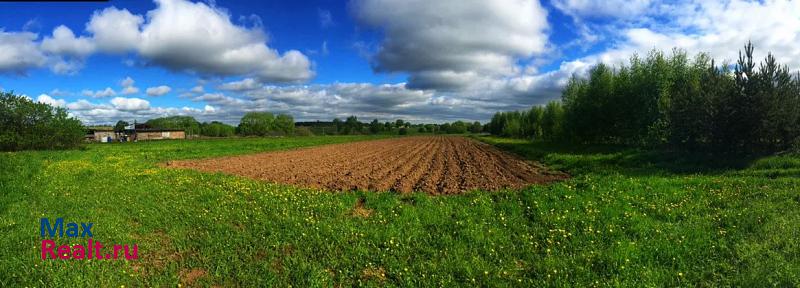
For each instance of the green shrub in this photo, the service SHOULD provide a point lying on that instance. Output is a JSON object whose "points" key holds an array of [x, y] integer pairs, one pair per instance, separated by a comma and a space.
{"points": [[303, 131], [186, 123], [266, 124], [25, 125], [217, 129]]}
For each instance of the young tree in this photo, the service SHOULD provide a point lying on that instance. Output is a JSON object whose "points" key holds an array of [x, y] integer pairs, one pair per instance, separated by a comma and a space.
{"points": [[339, 125], [375, 126], [284, 124], [120, 126], [476, 127], [217, 129], [351, 126], [458, 127], [256, 124], [552, 121]]}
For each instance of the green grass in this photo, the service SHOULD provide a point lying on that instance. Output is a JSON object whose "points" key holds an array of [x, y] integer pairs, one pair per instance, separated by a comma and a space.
{"points": [[626, 218]]}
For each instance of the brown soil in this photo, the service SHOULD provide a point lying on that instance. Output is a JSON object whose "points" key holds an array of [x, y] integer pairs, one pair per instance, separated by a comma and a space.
{"points": [[377, 274], [360, 210], [433, 164], [188, 277]]}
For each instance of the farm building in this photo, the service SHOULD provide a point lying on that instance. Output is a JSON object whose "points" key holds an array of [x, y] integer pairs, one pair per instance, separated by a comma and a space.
{"points": [[133, 133], [157, 134], [101, 134]]}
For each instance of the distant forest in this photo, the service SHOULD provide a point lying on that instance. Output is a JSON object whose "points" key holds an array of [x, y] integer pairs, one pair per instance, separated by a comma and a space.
{"points": [[267, 124]]}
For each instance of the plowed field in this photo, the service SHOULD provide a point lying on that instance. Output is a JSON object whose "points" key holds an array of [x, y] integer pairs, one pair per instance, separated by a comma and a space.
{"points": [[436, 165]]}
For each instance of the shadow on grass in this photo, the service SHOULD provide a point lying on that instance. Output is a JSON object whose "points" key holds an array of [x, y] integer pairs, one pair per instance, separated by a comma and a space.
{"points": [[634, 161]]}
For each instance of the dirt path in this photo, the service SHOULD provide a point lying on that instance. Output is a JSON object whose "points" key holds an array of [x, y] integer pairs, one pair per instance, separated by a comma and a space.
{"points": [[433, 164]]}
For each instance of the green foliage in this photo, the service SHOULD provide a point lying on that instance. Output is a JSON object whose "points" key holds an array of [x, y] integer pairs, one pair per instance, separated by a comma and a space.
{"points": [[688, 104], [458, 127], [186, 123], [265, 123], [303, 131], [476, 127], [534, 124], [284, 124], [25, 125], [217, 129], [256, 124], [338, 124], [120, 126], [551, 122], [350, 126], [375, 126]]}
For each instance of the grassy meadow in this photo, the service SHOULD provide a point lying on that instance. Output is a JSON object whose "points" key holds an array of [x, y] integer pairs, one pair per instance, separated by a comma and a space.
{"points": [[626, 218]]}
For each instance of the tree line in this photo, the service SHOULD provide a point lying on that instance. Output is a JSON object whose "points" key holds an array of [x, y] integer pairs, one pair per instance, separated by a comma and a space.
{"points": [[684, 103], [352, 126], [267, 124], [251, 124]]}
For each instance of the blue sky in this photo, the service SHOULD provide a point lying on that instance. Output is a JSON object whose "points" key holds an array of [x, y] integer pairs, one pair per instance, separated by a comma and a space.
{"points": [[424, 61]]}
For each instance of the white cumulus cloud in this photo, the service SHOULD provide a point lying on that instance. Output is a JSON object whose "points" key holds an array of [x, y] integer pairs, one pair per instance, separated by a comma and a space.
{"points": [[436, 40], [242, 85], [19, 52], [46, 99], [183, 35], [108, 92], [63, 42], [158, 90], [127, 86], [130, 104], [115, 30], [179, 35]]}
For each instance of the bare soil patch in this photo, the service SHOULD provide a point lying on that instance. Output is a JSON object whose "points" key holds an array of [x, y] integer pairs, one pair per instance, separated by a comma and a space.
{"points": [[360, 210], [189, 276], [433, 164]]}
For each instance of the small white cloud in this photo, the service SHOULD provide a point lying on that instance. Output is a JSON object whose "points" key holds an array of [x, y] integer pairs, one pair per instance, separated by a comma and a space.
{"points": [[127, 86], [127, 82], [58, 92], [130, 104], [130, 90], [198, 89], [108, 92], [158, 91], [209, 109], [242, 85], [81, 105]]}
